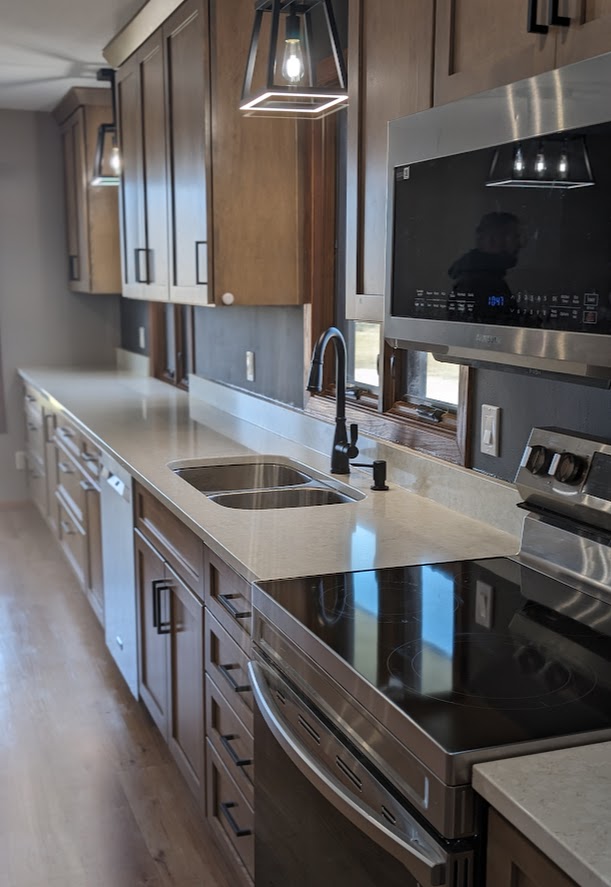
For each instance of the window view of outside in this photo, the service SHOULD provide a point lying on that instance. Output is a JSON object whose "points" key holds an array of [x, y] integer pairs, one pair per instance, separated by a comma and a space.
{"points": [[441, 381], [364, 346], [428, 380]]}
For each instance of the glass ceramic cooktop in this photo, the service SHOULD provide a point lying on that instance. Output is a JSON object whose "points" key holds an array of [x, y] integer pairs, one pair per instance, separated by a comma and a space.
{"points": [[464, 649]]}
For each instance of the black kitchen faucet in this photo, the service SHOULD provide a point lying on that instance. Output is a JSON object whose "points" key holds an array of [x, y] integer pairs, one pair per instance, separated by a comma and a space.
{"points": [[343, 449]]}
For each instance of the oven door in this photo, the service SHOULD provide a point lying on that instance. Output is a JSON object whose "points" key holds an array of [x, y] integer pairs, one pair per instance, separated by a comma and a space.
{"points": [[323, 814]]}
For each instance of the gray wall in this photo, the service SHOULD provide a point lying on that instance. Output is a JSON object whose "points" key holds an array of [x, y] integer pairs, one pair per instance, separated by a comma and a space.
{"points": [[41, 321], [224, 335], [134, 314], [527, 401]]}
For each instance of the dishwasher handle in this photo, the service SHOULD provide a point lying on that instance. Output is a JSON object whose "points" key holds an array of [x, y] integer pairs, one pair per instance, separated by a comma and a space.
{"points": [[118, 486], [428, 871]]}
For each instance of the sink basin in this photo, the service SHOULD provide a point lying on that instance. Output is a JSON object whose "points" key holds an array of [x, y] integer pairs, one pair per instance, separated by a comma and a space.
{"points": [[292, 497], [242, 476]]}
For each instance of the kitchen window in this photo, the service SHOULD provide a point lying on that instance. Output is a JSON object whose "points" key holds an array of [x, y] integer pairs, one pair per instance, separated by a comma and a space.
{"points": [[173, 346], [406, 397]]}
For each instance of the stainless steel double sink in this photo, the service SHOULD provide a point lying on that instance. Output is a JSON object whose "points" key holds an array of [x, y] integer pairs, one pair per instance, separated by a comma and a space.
{"points": [[263, 482]]}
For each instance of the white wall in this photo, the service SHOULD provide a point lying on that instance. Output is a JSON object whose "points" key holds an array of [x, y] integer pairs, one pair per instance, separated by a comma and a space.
{"points": [[41, 322]]}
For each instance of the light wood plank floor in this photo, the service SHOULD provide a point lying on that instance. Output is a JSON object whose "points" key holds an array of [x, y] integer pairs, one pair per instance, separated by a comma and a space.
{"points": [[89, 796]]}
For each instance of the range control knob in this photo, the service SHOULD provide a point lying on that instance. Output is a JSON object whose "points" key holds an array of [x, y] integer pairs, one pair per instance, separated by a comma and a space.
{"points": [[539, 460], [570, 468]]}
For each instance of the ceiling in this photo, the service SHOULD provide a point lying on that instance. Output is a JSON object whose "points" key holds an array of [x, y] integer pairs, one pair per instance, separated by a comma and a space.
{"points": [[47, 46]]}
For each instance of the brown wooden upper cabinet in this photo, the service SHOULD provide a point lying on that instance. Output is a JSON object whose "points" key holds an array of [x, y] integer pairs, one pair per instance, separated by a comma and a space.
{"points": [[92, 217], [390, 71], [163, 109], [481, 44], [212, 201]]}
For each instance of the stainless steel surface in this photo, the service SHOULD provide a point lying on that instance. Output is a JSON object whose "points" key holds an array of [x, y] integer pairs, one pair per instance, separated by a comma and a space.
{"points": [[437, 787], [287, 497], [407, 841], [241, 476], [120, 627], [569, 97], [546, 490]]}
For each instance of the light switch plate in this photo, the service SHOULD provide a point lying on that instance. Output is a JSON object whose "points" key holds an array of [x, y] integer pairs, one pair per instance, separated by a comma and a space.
{"points": [[490, 428], [141, 337]]}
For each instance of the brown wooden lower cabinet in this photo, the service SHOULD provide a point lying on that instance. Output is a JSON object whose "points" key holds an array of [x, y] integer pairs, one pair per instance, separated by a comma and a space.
{"points": [[513, 861], [171, 635], [231, 817]]}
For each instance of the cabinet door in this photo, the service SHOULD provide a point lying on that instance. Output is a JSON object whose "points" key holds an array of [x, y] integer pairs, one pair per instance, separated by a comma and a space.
{"points": [[155, 171], [257, 199], [588, 34], [390, 65], [512, 861], [186, 713], [73, 139], [186, 41], [481, 44], [132, 209], [153, 617]]}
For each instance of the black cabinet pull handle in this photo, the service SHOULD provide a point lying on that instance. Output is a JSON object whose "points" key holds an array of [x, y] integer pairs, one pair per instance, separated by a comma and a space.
{"points": [[226, 672], [235, 828], [235, 758], [198, 280], [73, 268], [554, 18], [532, 26], [159, 585], [225, 601], [139, 277]]}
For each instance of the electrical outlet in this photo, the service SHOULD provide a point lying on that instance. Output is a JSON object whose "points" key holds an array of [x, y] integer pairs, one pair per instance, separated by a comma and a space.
{"points": [[141, 337], [250, 366], [490, 429], [20, 460]]}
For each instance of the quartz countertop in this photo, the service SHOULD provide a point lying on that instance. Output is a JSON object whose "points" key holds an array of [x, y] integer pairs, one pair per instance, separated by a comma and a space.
{"points": [[561, 801], [145, 424]]}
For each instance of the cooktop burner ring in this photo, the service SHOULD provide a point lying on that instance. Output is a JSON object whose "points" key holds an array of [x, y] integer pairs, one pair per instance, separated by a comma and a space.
{"points": [[541, 680], [336, 602]]}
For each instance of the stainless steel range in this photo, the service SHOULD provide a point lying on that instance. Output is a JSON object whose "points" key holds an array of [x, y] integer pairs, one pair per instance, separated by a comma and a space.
{"points": [[377, 691]]}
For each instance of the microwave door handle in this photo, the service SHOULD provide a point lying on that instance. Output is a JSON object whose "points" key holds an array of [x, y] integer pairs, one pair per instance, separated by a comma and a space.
{"points": [[427, 872]]}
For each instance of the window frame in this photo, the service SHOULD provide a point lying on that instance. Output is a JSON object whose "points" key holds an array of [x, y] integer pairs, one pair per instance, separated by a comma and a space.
{"points": [[183, 334]]}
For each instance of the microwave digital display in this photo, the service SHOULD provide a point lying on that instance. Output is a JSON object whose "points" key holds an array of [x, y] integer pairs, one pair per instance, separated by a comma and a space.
{"points": [[514, 235]]}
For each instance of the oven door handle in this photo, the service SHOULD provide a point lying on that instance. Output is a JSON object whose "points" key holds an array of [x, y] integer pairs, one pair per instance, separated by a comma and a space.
{"points": [[428, 870]]}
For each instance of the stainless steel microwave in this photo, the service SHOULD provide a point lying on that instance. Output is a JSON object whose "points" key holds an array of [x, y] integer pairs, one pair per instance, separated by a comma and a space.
{"points": [[499, 225]]}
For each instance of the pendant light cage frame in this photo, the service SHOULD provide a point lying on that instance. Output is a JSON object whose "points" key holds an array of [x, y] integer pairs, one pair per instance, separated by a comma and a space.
{"points": [[106, 130], [283, 99]]}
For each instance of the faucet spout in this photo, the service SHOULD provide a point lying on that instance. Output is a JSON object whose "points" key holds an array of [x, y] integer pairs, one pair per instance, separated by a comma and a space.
{"points": [[342, 450]]}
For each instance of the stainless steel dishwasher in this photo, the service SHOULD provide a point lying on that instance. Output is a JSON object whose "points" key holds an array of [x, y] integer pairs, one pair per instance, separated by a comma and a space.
{"points": [[119, 570]]}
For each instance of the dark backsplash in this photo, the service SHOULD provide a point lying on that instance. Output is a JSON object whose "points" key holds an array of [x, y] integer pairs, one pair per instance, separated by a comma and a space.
{"points": [[134, 314]]}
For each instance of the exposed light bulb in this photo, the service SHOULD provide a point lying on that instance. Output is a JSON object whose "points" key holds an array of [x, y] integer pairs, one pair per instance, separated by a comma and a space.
{"points": [[293, 67], [114, 161], [518, 161], [540, 164]]}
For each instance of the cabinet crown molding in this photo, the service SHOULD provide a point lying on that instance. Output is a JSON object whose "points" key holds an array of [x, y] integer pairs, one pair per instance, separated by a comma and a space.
{"points": [[78, 96], [138, 29]]}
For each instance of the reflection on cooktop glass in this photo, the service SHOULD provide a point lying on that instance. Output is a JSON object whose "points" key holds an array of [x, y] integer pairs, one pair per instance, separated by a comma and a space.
{"points": [[468, 650]]}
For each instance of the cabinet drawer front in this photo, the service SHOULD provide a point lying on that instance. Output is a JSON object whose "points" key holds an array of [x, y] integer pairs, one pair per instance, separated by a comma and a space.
{"points": [[37, 482], [227, 664], [182, 548], [87, 454], [228, 597], [72, 483], [231, 740], [68, 435], [73, 540], [34, 428], [229, 811]]}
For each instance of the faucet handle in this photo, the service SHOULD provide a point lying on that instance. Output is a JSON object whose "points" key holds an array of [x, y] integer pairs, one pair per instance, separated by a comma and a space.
{"points": [[353, 450]]}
